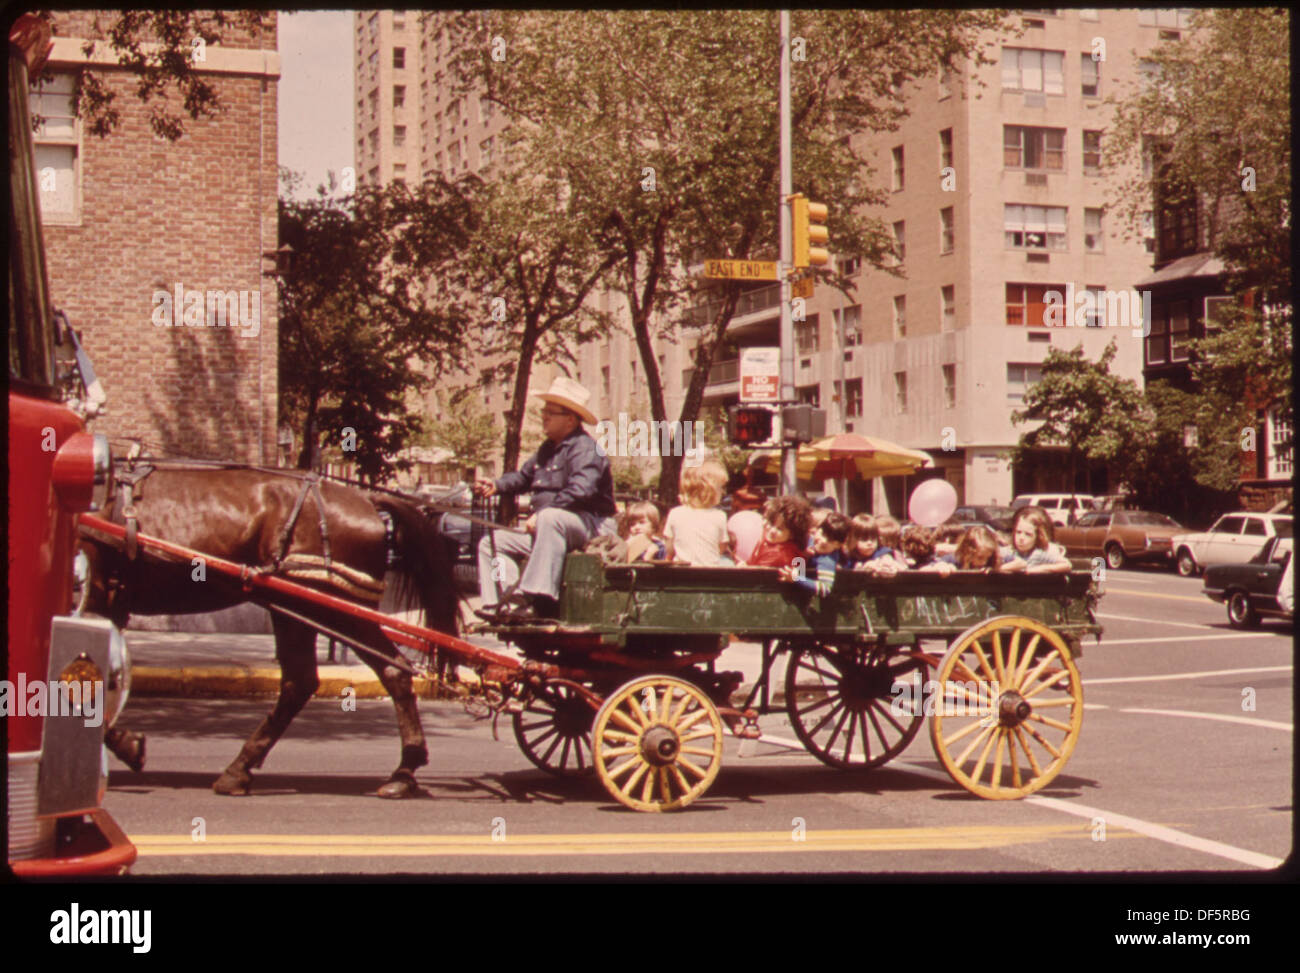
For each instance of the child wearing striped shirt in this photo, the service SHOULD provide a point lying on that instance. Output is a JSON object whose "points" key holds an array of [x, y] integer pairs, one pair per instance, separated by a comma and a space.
{"points": [[827, 540]]}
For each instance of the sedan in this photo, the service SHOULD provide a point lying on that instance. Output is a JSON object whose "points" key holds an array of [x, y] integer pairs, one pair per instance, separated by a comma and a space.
{"points": [[1250, 590], [1234, 539], [990, 515], [1122, 536]]}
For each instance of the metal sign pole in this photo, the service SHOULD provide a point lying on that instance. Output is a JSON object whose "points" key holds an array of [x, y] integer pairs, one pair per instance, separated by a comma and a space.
{"points": [[787, 255]]}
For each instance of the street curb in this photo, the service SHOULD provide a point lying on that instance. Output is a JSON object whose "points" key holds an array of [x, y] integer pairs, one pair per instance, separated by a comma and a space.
{"points": [[237, 681]]}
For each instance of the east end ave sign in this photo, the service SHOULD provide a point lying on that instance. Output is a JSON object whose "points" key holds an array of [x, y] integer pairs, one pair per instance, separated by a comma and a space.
{"points": [[741, 269]]}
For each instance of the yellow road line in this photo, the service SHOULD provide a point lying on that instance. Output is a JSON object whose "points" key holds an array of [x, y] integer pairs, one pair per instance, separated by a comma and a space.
{"points": [[957, 838], [1152, 594]]}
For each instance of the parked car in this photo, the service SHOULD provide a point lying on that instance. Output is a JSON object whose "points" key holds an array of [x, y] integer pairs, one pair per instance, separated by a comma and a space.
{"points": [[1063, 508], [1250, 590], [1234, 539], [994, 517], [1121, 536]]}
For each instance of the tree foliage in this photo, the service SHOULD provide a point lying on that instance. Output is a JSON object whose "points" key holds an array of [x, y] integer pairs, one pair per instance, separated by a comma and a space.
{"points": [[665, 125], [355, 321], [1081, 406], [466, 430]]}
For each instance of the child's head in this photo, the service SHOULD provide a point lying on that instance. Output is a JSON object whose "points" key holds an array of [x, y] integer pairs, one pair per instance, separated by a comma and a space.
{"points": [[701, 486], [978, 548], [949, 533], [917, 543], [864, 536], [817, 516], [830, 534], [888, 528], [786, 519], [639, 518], [1031, 529]]}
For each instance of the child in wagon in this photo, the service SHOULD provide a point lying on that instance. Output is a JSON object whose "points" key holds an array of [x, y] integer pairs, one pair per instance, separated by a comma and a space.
{"points": [[826, 541], [785, 532], [978, 550], [1032, 541], [696, 531], [640, 528], [871, 545]]}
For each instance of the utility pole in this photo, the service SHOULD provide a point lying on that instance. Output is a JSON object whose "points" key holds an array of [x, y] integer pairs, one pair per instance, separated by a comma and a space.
{"points": [[788, 455]]}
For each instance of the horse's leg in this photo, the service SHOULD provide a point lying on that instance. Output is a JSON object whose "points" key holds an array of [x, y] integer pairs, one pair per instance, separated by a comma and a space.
{"points": [[295, 650], [127, 745], [414, 752]]}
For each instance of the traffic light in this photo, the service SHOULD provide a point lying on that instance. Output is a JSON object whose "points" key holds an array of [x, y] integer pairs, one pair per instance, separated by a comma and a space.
{"points": [[809, 228], [752, 426], [803, 423]]}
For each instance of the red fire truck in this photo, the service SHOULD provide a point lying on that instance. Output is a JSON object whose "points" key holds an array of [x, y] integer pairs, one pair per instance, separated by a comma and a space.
{"points": [[57, 769]]}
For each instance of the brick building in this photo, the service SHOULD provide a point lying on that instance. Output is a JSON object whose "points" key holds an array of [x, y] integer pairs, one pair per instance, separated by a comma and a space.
{"points": [[130, 217]]}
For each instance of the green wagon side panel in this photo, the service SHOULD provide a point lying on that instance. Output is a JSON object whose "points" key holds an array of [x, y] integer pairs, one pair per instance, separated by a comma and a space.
{"points": [[752, 602]]}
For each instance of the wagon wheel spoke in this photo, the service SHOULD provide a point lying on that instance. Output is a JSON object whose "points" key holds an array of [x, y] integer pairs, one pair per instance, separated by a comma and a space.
{"points": [[558, 719], [676, 752], [1034, 671]]}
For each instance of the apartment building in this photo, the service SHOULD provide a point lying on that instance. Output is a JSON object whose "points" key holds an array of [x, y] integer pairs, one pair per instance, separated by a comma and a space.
{"points": [[997, 199], [132, 216]]}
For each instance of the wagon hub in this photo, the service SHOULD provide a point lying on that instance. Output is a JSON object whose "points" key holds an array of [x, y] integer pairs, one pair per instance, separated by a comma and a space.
{"points": [[659, 746], [1013, 709]]}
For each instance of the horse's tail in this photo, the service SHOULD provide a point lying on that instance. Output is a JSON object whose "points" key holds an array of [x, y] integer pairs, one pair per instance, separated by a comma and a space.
{"points": [[427, 558]]}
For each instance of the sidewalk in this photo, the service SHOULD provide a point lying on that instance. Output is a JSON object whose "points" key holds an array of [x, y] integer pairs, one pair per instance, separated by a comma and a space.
{"points": [[229, 665]]}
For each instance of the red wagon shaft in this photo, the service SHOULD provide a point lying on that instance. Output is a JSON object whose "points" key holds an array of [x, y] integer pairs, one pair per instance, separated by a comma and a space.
{"points": [[415, 636]]}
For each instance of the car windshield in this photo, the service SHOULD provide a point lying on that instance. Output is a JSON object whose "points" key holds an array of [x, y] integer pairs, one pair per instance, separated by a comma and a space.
{"points": [[1144, 518], [998, 513]]}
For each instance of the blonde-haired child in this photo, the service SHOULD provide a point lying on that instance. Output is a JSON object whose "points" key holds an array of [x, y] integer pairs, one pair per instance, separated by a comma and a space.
{"points": [[639, 526], [696, 531]]}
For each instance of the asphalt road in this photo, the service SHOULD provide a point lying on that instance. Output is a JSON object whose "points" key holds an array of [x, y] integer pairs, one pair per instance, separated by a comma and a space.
{"points": [[1184, 764]]}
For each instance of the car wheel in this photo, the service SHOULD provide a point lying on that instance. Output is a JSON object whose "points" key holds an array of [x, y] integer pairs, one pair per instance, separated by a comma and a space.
{"points": [[1186, 563], [1241, 614], [1115, 558]]}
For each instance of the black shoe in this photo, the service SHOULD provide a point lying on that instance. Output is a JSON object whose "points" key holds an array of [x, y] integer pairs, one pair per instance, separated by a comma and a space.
{"points": [[509, 605], [546, 607]]}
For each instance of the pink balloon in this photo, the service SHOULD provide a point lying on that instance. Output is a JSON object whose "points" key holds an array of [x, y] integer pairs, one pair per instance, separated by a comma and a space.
{"points": [[747, 528], [933, 502]]}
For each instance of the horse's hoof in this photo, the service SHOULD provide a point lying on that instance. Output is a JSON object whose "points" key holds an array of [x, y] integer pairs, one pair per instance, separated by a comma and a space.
{"points": [[400, 786], [233, 785], [128, 747]]}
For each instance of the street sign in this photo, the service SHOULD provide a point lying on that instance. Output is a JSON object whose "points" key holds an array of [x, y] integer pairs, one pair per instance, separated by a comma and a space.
{"points": [[760, 374], [741, 269], [801, 287]]}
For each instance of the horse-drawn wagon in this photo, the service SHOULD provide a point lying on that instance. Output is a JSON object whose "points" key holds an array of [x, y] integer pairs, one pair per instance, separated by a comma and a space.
{"points": [[625, 683]]}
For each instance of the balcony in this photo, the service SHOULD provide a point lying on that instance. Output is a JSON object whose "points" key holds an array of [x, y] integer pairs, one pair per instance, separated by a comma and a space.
{"points": [[759, 299], [722, 373]]}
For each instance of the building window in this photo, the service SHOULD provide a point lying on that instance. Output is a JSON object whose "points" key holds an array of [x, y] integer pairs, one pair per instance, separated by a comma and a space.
{"points": [[900, 391], [1178, 331], [1094, 307], [950, 386], [900, 317], [851, 326], [1027, 304], [948, 307], [58, 149], [1091, 152], [1020, 376], [604, 380], [945, 83], [1280, 436], [399, 19], [853, 398], [1149, 231], [399, 136], [1177, 17], [1158, 340], [851, 266], [374, 140], [453, 157], [1033, 70], [373, 63], [900, 240], [897, 172], [373, 175], [1093, 241], [484, 109], [1041, 149], [1034, 227], [945, 148], [453, 115], [947, 234], [399, 172], [373, 26], [399, 96], [810, 395], [1089, 13], [399, 57], [1176, 213], [485, 152], [807, 336], [1090, 73]]}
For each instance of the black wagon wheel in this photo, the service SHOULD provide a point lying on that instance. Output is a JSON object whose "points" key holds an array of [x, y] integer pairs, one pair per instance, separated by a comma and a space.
{"points": [[854, 707], [554, 730]]}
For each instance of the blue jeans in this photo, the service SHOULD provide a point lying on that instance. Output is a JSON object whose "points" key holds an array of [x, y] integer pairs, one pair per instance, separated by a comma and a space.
{"points": [[558, 532]]}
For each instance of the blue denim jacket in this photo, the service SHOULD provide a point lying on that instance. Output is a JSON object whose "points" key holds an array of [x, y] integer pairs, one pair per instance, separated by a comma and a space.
{"points": [[572, 475]]}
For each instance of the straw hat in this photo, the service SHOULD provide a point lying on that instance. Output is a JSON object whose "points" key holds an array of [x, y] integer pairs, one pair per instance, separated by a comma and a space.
{"points": [[568, 393]]}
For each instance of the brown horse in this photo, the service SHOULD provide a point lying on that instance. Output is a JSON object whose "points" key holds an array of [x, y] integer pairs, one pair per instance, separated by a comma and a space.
{"points": [[272, 519]]}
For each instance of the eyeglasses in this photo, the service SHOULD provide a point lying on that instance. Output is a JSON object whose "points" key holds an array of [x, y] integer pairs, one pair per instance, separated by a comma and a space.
{"points": [[555, 412]]}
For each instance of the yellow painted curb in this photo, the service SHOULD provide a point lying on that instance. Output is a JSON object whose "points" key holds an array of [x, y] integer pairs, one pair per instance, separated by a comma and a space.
{"points": [[221, 681]]}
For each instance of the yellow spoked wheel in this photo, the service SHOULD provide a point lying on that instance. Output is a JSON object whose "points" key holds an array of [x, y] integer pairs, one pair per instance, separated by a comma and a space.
{"points": [[1008, 709], [657, 743]]}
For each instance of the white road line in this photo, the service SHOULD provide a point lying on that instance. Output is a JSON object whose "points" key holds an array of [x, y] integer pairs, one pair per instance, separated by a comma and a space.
{"points": [[1105, 642], [1249, 721], [1186, 675], [1152, 621], [1148, 828]]}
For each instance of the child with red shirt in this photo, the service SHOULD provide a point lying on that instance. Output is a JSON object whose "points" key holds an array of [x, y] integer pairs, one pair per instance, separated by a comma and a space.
{"points": [[785, 532]]}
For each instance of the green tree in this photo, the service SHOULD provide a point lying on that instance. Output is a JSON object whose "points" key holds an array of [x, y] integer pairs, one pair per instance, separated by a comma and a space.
{"points": [[1081, 406], [666, 123], [1213, 120], [355, 322], [466, 430]]}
